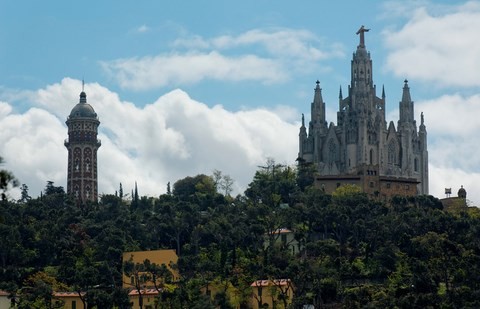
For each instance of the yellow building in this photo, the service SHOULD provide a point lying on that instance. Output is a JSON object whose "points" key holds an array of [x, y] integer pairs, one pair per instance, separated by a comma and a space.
{"points": [[276, 293], [5, 302], [71, 300], [166, 257], [148, 298]]}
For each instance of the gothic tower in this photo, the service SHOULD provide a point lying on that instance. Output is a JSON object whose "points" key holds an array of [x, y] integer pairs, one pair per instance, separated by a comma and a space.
{"points": [[82, 145], [361, 144]]}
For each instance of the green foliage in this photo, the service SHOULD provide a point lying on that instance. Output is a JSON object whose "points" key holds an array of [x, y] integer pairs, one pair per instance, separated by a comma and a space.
{"points": [[6, 179], [343, 250]]}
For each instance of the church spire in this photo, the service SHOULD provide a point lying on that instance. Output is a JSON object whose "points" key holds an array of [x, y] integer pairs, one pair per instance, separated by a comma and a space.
{"points": [[406, 105], [340, 95], [406, 92], [318, 94], [318, 107]]}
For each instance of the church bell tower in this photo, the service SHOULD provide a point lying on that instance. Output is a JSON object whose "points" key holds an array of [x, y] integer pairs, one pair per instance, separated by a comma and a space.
{"points": [[82, 145]]}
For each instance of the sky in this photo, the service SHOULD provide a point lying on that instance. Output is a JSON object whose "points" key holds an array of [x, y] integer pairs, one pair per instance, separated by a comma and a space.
{"points": [[186, 88]]}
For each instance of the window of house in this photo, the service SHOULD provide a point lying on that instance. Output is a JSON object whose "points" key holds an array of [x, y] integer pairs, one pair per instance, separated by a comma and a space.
{"points": [[284, 239], [74, 304], [372, 184], [388, 185]]}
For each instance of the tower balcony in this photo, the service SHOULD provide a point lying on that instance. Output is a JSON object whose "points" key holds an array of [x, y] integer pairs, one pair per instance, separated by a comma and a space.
{"points": [[97, 142]]}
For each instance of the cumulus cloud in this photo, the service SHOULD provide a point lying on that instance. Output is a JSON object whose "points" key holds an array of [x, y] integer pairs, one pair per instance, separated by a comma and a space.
{"points": [[440, 48], [272, 56], [167, 140]]}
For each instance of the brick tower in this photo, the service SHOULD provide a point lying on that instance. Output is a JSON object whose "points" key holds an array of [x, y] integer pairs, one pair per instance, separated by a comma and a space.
{"points": [[82, 145]]}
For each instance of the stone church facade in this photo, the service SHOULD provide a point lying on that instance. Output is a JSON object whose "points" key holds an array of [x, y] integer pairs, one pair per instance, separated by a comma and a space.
{"points": [[361, 148], [82, 145]]}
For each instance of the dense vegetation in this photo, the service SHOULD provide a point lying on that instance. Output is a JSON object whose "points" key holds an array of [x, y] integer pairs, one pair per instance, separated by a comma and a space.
{"points": [[356, 252]]}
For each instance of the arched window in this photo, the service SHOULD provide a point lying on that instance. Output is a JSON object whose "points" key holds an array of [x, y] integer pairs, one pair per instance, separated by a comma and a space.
{"points": [[332, 151], [371, 156], [415, 165], [392, 153]]}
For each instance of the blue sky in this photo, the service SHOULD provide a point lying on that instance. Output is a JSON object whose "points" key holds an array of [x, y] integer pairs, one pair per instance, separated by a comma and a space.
{"points": [[187, 87]]}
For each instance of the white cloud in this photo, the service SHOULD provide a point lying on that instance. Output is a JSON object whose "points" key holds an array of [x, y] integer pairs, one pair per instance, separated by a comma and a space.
{"points": [[267, 56], [173, 69], [441, 48], [453, 128], [143, 28], [167, 140]]}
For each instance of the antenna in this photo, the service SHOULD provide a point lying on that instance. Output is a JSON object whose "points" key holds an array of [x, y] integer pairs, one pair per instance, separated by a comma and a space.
{"points": [[83, 84]]}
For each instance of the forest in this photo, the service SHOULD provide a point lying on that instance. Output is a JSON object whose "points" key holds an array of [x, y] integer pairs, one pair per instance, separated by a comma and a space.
{"points": [[354, 251]]}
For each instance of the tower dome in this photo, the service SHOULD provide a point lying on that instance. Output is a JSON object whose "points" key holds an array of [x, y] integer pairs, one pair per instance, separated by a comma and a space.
{"points": [[83, 109]]}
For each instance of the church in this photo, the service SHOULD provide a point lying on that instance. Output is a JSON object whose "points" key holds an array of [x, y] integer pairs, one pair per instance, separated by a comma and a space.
{"points": [[361, 149]]}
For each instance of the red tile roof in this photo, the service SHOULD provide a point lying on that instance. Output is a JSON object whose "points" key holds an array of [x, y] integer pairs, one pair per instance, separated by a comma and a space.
{"points": [[277, 282], [144, 292], [67, 294]]}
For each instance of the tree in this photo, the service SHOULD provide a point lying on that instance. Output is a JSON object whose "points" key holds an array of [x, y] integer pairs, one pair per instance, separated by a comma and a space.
{"points": [[24, 194], [6, 179], [120, 191], [51, 189]]}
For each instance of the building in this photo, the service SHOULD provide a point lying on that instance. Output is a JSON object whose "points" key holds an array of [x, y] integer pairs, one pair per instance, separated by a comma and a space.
{"points": [[361, 148], [148, 298], [69, 300], [457, 203], [276, 293], [166, 257], [5, 301], [82, 145], [283, 238]]}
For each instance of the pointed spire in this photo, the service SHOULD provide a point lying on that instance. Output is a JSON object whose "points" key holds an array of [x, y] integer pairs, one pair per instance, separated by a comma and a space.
{"points": [[340, 95], [303, 120], [383, 91], [406, 106], [83, 95], [318, 93], [406, 93]]}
